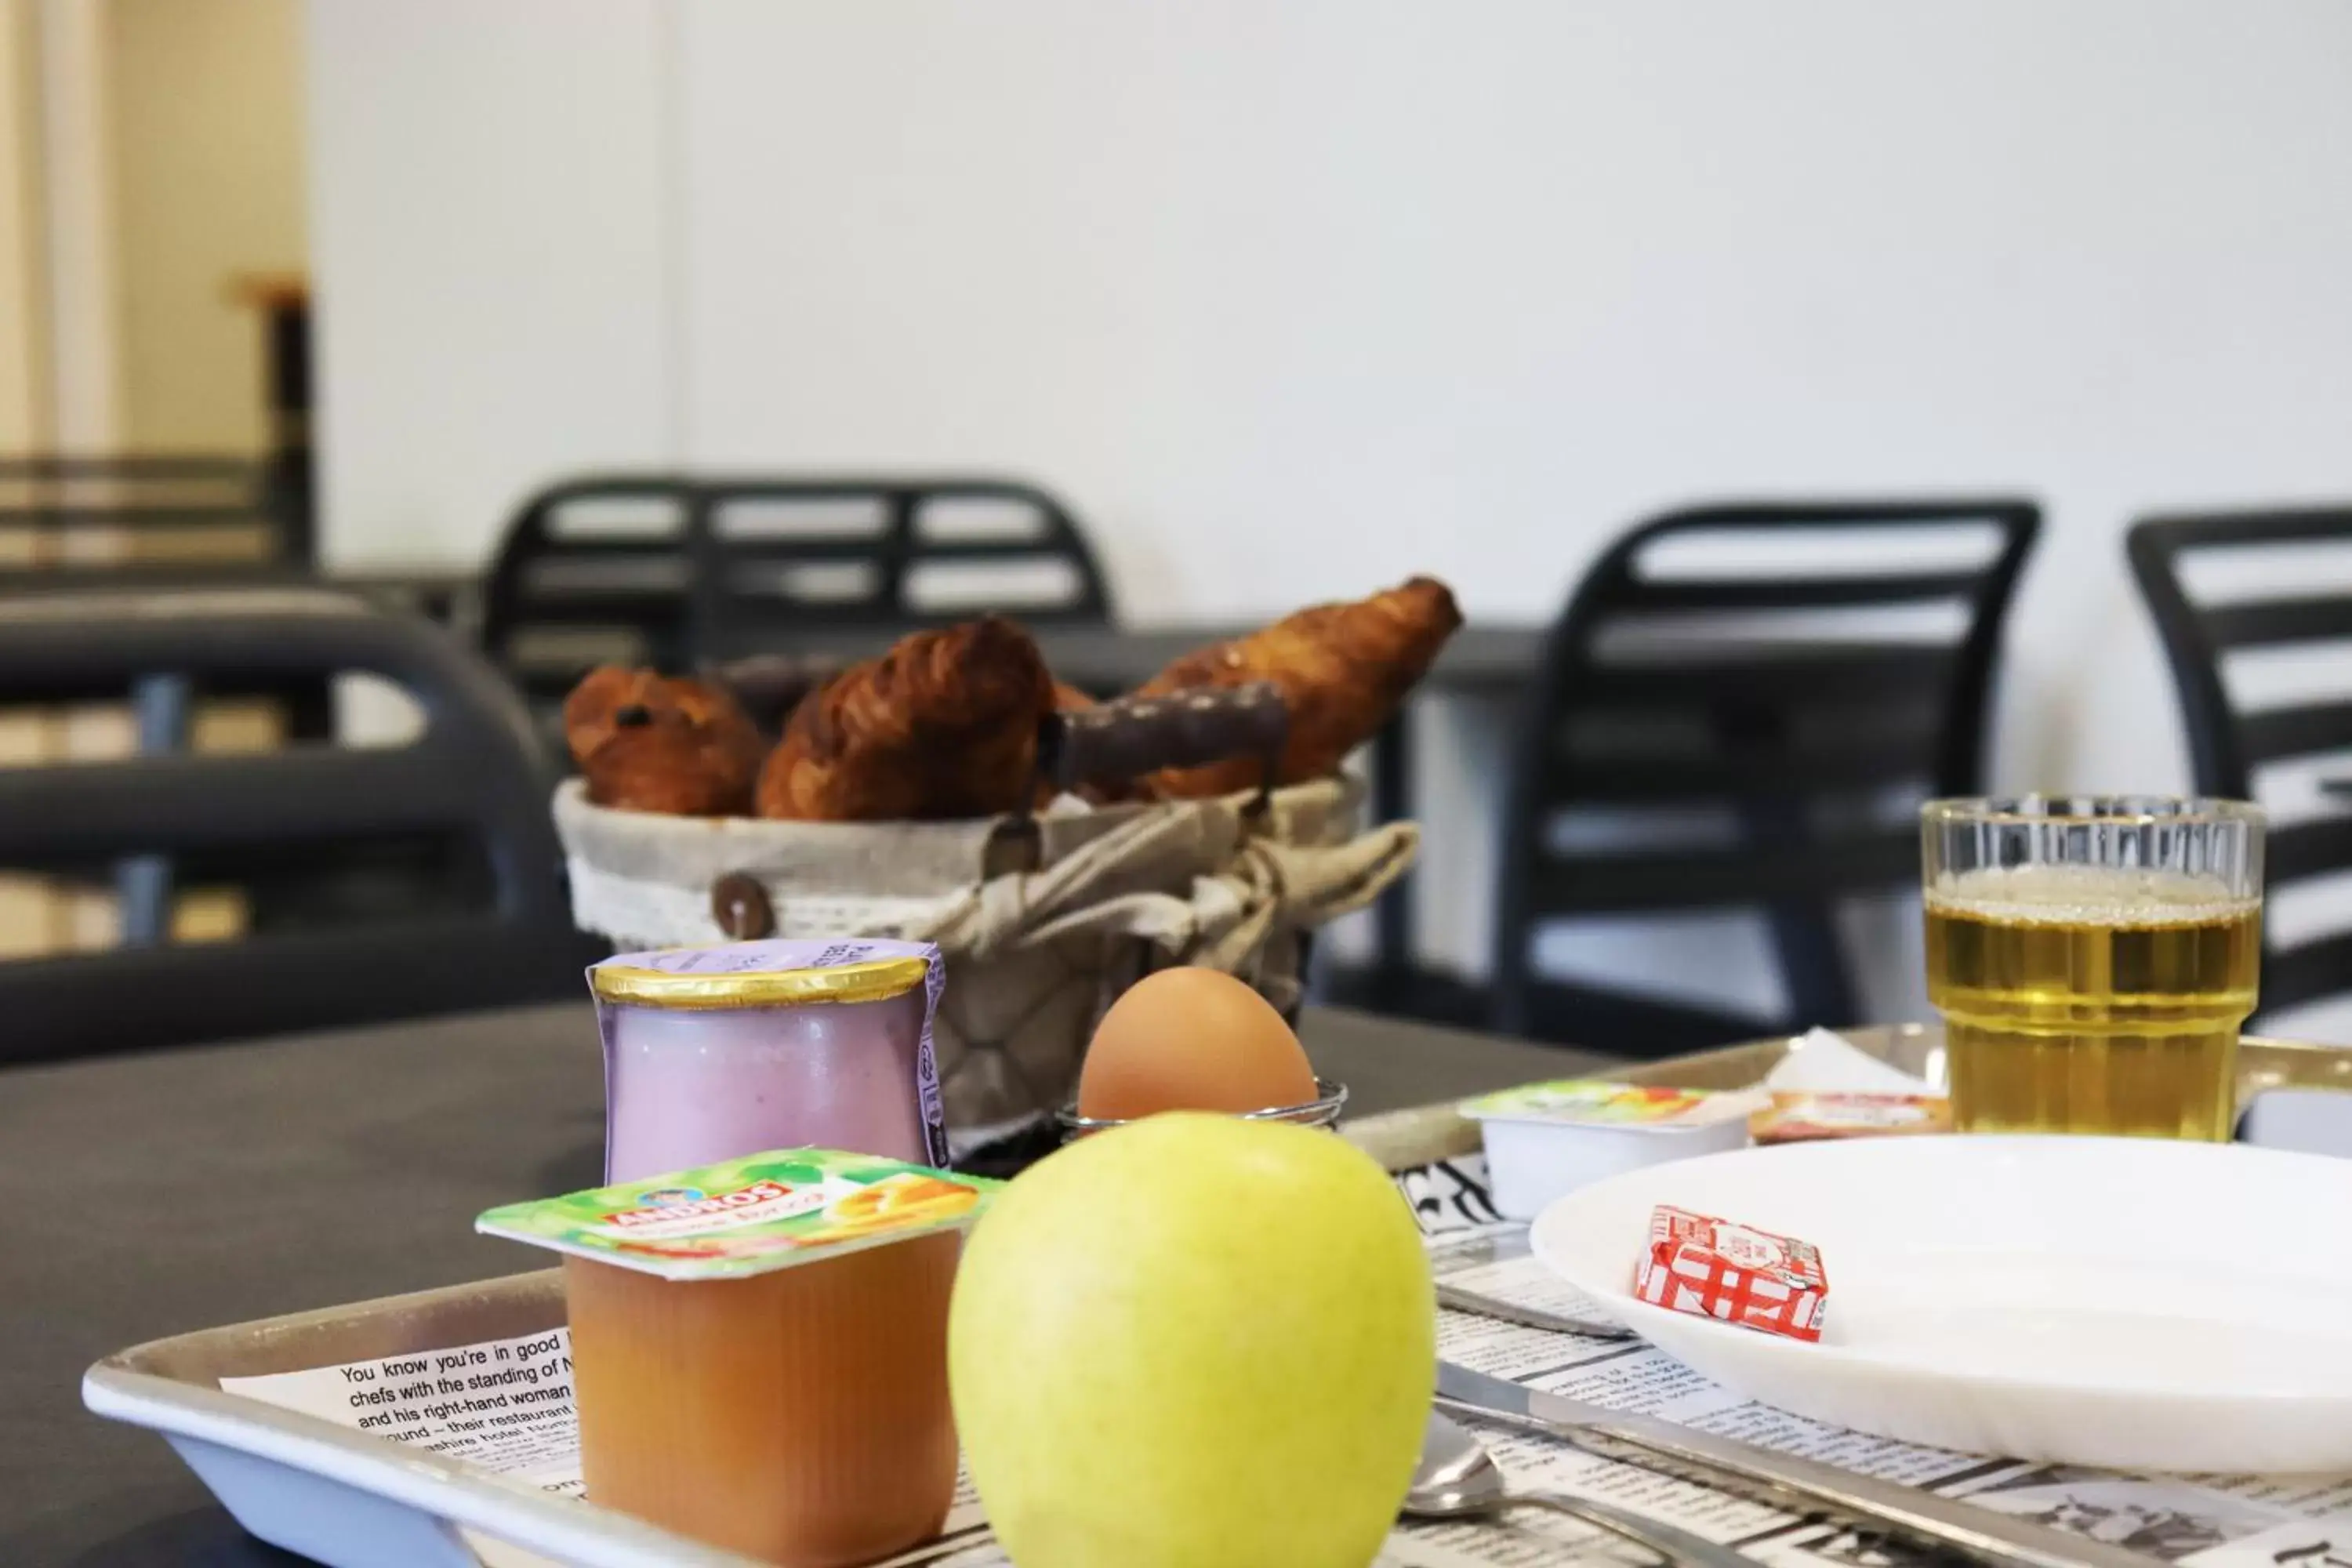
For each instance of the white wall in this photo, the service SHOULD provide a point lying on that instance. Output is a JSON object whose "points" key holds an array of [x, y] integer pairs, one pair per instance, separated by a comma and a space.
{"points": [[1293, 300], [489, 200]]}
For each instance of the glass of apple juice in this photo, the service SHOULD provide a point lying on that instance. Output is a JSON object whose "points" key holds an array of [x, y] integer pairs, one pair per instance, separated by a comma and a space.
{"points": [[2094, 958]]}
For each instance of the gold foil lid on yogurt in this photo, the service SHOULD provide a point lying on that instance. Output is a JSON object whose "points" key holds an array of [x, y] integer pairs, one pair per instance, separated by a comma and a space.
{"points": [[774, 973]]}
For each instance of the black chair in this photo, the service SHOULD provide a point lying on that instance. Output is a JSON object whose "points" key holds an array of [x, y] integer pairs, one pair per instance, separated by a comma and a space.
{"points": [[107, 521], [2235, 740], [382, 881], [1748, 740], [679, 570]]}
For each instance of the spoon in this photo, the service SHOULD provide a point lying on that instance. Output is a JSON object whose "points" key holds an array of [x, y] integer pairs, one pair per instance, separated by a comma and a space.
{"points": [[1459, 1479]]}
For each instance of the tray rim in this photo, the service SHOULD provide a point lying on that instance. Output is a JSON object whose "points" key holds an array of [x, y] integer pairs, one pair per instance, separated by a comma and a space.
{"points": [[122, 1387]]}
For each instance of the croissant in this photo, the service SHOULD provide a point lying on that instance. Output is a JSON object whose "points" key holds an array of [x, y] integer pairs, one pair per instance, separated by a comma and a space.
{"points": [[943, 725], [646, 743], [1342, 670]]}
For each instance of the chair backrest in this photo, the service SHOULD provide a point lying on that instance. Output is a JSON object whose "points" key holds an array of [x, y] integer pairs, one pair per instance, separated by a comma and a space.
{"points": [[2245, 744], [382, 881], [1740, 708], [67, 521], [676, 570]]}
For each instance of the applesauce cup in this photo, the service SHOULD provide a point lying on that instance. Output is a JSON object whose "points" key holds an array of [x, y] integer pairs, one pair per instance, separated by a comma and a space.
{"points": [[758, 1348], [1324, 1110]]}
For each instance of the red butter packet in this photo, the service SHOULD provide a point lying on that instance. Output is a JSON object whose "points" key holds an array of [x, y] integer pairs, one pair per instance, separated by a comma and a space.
{"points": [[1714, 1268]]}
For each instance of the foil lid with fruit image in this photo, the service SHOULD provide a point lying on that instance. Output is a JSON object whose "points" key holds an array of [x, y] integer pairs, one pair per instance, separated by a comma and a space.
{"points": [[751, 1216]]}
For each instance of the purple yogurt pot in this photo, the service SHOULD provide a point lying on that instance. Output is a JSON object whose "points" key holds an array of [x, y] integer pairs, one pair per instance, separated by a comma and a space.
{"points": [[713, 1053]]}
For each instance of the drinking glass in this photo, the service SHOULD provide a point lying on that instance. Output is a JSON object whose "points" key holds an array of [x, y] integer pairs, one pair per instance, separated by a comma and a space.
{"points": [[2094, 958]]}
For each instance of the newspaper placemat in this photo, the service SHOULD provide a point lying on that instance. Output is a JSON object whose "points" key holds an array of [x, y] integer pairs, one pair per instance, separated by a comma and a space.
{"points": [[506, 1407]]}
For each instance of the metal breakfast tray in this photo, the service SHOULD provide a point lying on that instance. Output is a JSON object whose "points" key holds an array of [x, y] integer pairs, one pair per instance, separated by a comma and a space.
{"points": [[355, 1501]]}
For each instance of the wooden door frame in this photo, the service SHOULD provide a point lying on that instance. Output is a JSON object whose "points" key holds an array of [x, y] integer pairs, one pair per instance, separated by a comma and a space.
{"points": [[60, 298], [24, 398]]}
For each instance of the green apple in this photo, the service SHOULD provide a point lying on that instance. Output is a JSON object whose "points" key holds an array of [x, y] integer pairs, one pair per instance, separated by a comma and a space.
{"points": [[1194, 1342]]}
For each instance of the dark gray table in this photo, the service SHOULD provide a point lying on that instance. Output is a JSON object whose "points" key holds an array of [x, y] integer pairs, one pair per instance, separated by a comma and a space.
{"points": [[150, 1196], [1483, 656]]}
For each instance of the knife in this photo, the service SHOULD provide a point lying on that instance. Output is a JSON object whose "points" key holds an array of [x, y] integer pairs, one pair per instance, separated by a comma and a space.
{"points": [[1485, 1306], [1808, 1485]]}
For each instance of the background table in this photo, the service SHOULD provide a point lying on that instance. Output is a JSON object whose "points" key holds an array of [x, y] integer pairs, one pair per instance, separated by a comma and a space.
{"points": [[150, 1196], [1483, 656], [1483, 660]]}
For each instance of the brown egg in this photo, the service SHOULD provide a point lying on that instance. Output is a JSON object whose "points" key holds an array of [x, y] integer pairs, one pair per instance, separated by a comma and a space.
{"points": [[1191, 1039]]}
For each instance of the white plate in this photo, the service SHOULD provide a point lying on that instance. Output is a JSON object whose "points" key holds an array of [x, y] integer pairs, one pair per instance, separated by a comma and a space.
{"points": [[2134, 1304]]}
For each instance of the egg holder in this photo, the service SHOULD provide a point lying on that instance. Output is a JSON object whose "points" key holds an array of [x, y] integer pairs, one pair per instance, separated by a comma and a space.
{"points": [[1324, 1110]]}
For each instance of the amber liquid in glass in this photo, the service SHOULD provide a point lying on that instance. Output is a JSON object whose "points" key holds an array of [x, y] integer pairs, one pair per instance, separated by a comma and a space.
{"points": [[2085, 999]]}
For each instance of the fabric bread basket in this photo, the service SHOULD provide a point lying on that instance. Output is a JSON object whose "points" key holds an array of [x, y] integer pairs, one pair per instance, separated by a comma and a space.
{"points": [[1044, 919]]}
